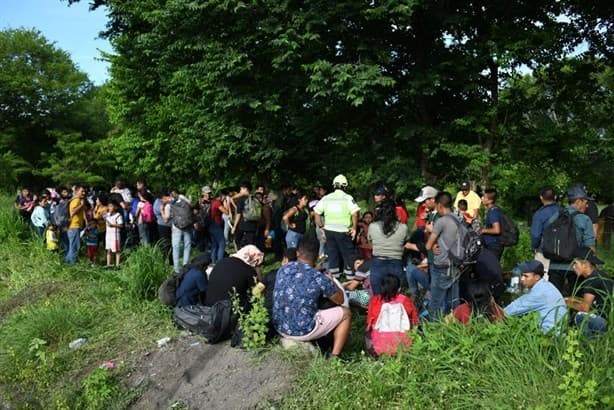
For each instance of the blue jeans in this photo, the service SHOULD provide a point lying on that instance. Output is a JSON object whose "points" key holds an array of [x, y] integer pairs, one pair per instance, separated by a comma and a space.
{"points": [[143, 233], [177, 236], [381, 267], [339, 246], [590, 324], [416, 276], [444, 292], [74, 244], [293, 238], [218, 243]]}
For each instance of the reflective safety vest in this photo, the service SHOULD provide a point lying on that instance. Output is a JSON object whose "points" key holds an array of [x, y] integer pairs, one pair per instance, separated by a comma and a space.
{"points": [[338, 208]]}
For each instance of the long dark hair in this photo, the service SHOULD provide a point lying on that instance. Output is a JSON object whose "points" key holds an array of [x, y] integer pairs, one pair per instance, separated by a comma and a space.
{"points": [[388, 216], [390, 287], [480, 298]]}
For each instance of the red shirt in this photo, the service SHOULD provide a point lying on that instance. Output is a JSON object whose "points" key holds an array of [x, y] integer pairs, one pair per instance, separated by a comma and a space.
{"points": [[375, 307], [402, 214], [216, 213], [419, 221], [463, 313]]}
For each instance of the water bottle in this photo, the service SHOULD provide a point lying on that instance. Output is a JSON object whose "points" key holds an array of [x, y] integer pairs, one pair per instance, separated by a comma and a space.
{"points": [[163, 341], [75, 344]]}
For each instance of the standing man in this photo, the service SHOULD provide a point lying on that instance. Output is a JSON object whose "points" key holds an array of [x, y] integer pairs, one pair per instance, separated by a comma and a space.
{"points": [[473, 200], [585, 237], [492, 231], [539, 221], [543, 298], [76, 213], [444, 276], [244, 229], [341, 227]]}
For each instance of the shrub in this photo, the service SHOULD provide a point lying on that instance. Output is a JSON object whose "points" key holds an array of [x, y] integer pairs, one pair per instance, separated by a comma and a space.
{"points": [[143, 273]]}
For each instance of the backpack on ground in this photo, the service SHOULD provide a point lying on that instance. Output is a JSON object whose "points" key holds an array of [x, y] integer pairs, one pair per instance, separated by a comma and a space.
{"points": [[147, 212], [167, 292], [466, 246], [252, 210], [390, 329], [559, 241], [60, 216], [509, 230], [182, 214], [215, 322]]}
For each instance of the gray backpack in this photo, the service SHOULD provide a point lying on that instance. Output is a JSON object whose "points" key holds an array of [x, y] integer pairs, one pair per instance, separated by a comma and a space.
{"points": [[182, 214]]}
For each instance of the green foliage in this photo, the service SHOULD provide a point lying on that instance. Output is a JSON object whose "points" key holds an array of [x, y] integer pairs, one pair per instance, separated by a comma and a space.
{"points": [[12, 225], [101, 389], [577, 390], [253, 324], [11, 168], [143, 272], [512, 255], [481, 365]]}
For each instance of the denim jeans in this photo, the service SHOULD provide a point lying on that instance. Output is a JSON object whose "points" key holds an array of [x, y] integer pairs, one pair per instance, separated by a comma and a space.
{"points": [[226, 220], [143, 233], [177, 236], [444, 292], [416, 276], [381, 267], [74, 244], [293, 238], [590, 324], [218, 243]]}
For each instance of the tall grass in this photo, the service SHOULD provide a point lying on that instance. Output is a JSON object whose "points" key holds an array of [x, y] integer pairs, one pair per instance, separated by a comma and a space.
{"points": [[45, 304]]}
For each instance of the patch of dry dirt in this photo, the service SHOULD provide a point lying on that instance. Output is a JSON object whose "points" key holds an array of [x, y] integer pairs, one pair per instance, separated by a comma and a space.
{"points": [[189, 373]]}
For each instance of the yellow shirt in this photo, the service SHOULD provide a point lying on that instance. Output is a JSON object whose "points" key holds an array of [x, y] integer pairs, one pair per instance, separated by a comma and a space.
{"points": [[77, 220], [51, 239], [473, 202]]}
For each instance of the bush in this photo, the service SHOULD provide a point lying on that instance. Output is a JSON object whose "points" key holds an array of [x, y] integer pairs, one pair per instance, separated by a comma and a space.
{"points": [[143, 273]]}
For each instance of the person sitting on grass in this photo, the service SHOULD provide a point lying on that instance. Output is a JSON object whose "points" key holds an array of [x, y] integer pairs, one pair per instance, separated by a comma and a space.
{"points": [[480, 303], [543, 297], [594, 296], [298, 290], [391, 315], [193, 285]]}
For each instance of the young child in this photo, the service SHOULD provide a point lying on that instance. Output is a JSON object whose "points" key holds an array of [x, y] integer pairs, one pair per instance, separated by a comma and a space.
{"points": [[114, 221], [51, 238], [91, 240], [391, 315], [462, 211]]}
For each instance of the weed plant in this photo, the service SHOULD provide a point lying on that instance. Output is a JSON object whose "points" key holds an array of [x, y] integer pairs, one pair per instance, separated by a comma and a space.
{"points": [[143, 273]]}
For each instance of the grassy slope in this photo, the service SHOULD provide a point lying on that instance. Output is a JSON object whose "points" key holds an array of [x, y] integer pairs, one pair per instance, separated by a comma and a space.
{"points": [[45, 304]]}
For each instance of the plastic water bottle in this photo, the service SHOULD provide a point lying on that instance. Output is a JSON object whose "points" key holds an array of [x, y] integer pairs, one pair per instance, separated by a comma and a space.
{"points": [[75, 344], [163, 341]]}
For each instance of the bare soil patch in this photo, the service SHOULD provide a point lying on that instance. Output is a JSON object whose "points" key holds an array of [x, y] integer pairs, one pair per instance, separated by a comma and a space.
{"points": [[188, 373]]}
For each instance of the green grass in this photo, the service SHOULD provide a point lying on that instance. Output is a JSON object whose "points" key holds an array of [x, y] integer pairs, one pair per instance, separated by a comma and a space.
{"points": [[44, 304]]}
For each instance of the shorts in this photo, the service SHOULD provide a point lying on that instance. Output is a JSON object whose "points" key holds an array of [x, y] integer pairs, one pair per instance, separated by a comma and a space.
{"points": [[327, 320]]}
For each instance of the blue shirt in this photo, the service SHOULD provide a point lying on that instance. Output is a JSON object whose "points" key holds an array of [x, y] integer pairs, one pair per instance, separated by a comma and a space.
{"points": [[298, 288], [545, 299], [193, 284], [156, 208], [493, 215], [540, 220], [91, 237]]}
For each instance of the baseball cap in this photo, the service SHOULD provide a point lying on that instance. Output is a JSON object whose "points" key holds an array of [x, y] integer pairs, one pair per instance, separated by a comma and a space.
{"points": [[380, 191], [464, 186], [531, 266], [425, 193], [576, 192], [206, 189], [587, 253]]}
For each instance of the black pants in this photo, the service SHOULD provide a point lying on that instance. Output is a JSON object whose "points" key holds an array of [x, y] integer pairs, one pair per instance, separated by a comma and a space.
{"points": [[566, 281], [495, 248], [164, 242], [243, 238]]}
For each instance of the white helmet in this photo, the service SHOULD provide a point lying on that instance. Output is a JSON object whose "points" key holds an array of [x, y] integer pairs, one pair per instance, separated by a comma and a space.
{"points": [[340, 180]]}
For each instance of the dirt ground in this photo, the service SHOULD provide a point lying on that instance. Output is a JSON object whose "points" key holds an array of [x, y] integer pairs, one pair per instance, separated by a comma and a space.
{"points": [[187, 373]]}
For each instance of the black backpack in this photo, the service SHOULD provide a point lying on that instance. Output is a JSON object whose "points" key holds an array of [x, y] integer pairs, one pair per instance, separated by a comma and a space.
{"points": [[466, 247], [559, 241], [204, 216], [167, 292], [182, 214], [509, 230], [215, 322]]}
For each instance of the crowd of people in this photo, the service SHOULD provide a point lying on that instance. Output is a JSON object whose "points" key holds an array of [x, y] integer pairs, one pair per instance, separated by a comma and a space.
{"points": [[334, 257]]}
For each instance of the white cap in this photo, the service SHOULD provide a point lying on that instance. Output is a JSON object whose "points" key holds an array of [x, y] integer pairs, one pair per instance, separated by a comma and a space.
{"points": [[425, 193], [340, 180]]}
